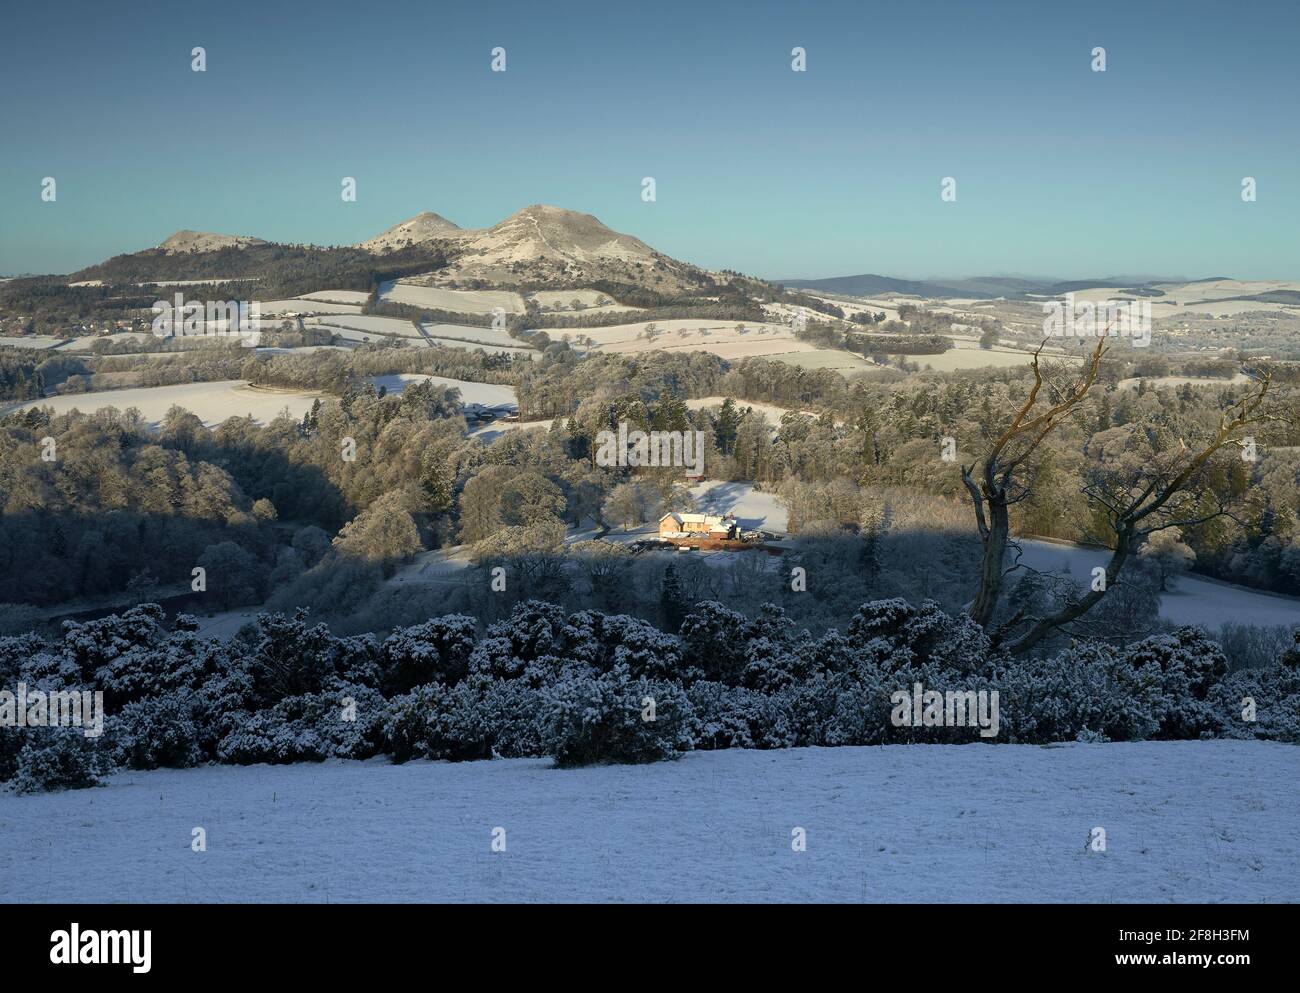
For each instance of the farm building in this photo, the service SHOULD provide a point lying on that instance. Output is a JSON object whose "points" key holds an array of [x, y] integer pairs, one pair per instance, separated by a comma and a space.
{"points": [[698, 525]]}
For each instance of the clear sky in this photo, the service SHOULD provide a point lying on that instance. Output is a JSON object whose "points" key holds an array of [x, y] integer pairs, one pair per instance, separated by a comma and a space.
{"points": [[1060, 170]]}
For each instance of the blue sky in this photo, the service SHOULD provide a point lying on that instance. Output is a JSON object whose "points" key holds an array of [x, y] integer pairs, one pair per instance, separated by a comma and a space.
{"points": [[1060, 170]]}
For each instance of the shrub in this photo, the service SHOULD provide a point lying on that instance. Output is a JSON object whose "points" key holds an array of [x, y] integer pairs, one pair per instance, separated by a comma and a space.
{"points": [[58, 759], [438, 649], [433, 722], [590, 719], [1188, 662], [1091, 690], [1275, 692], [925, 633], [345, 723], [146, 734], [741, 717], [712, 642]]}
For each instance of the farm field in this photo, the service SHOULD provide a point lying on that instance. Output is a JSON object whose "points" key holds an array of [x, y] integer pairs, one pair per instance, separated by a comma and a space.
{"points": [[487, 394], [1158, 381], [370, 324], [212, 403], [770, 410], [360, 336], [36, 341], [459, 301], [306, 307], [215, 402], [690, 334], [1186, 821], [828, 358], [593, 302], [525, 351], [972, 358], [336, 296], [87, 343]]}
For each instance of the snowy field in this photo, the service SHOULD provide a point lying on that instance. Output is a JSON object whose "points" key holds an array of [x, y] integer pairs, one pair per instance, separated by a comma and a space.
{"points": [[770, 410], [593, 301], [487, 394], [301, 305], [87, 343], [1191, 600], [722, 338], [37, 341], [458, 301], [466, 332], [1213, 821], [357, 297], [212, 403], [753, 508], [370, 324]]}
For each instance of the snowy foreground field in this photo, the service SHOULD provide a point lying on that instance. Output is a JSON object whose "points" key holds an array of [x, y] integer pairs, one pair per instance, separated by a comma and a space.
{"points": [[1184, 821]]}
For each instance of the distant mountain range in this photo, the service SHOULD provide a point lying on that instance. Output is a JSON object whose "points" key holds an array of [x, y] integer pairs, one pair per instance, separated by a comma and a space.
{"points": [[978, 287], [546, 245]]}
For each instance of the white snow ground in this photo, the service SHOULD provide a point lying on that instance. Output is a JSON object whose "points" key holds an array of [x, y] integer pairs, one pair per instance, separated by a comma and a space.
{"points": [[1184, 821], [1191, 600]]}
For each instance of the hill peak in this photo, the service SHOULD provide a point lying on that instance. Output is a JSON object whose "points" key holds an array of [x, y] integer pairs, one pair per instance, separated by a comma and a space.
{"points": [[206, 241], [424, 226]]}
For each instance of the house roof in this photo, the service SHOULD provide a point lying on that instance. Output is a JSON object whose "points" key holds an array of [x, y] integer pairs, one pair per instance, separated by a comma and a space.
{"points": [[708, 520]]}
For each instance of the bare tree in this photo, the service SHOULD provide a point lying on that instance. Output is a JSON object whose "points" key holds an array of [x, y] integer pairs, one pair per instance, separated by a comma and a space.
{"points": [[1149, 492], [1000, 486]]}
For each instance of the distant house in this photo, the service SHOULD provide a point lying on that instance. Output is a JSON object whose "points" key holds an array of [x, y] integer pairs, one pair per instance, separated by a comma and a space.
{"points": [[701, 525]]}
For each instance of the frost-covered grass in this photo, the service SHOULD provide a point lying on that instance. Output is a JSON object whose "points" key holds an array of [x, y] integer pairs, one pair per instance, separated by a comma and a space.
{"points": [[1184, 821]]}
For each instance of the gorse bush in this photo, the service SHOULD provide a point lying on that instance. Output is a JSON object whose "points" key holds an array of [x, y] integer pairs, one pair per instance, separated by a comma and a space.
{"points": [[594, 717], [588, 688], [58, 759]]}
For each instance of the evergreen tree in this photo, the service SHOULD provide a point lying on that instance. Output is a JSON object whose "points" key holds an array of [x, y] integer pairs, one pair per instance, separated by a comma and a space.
{"points": [[671, 607]]}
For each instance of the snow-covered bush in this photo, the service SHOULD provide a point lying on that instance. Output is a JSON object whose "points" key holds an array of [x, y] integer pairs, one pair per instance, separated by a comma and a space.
{"points": [[1259, 703], [58, 759], [578, 687], [922, 633], [159, 731], [494, 658], [534, 628], [16, 655], [1189, 662], [434, 721], [1092, 690], [776, 656], [605, 641], [712, 641], [741, 717], [504, 716], [613, 717], [437, 649], [95, 645], [345, 722]]}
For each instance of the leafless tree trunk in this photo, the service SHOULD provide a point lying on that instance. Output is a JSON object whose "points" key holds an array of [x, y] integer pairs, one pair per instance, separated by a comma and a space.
{"points": [[998, 486]]}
